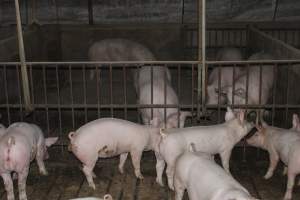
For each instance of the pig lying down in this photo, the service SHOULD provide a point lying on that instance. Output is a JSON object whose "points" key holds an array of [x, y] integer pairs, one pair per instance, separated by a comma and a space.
{"points": [[22, 143], [204, 179], [226, 76], [106, 197], [109, 137], [216, 139], [281, 144]]}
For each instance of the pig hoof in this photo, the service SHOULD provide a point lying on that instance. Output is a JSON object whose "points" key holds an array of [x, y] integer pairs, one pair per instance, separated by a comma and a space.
{"points": [[160, 182], [92, 185], [121, 170], [140, 176], [267, 176], [44, 172]]}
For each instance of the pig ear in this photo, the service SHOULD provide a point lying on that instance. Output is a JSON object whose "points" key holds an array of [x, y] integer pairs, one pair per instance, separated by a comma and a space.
{"points": [[229, 114], [242, 116], [107, 197], [192, 147], [71, 135], [50, 141], [155, 122], [162, 133], [295, 120]]}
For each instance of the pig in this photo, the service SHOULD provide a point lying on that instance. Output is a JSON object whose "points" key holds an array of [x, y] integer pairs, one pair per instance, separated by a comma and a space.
{"points": [[226, 78], [22, 143], [254, 86], [106, 197], [296, 123], [216, 139], [204, 179], [172, 114], [107, 137], [281, 144], [118, 49]]}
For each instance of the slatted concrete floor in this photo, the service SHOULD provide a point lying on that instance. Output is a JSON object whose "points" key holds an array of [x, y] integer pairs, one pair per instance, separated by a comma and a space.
{"points": [[66, 181]]}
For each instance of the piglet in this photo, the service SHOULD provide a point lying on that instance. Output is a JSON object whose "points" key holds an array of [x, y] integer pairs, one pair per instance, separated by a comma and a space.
{"points": [[204, 179], [21, 143], [107, 137], [106, 197], [216, 139], [281, 144]]}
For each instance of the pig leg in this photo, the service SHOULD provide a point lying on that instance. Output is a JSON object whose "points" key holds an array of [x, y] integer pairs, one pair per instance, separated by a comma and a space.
{"points": [[22, 177], [9, 187], [123, 158], [160, 166], [136, 156], [179, 189], [274, 158], [284, 172], [40, 161], [88, 172], [225, 157], [290, 185], [170, 175]]}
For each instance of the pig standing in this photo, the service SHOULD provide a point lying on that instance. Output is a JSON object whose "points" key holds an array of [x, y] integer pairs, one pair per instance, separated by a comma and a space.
{"points": [[281, 144], [204, 179], [254, 84], [106, 197], [107, 137], [118, 50], [226, 78], [216, 139], [21, 143]]}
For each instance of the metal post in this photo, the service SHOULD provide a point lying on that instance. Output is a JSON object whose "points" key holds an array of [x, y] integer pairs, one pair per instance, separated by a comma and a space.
{"points": [[32, 12], [90, 10], [201, 58], [25, 82]]}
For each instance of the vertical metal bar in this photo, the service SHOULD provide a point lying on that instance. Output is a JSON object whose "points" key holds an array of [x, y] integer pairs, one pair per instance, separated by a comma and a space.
{"points": [[151, 70], [98, 78], [46, 98], [25, 83], [111, 90], [203, 55], [274, 92], [32, 89], [20, 93], [219, 91], [90, 10], [260, 90], [179, 93], [193, 86], [58, 102], [125, 91], [165, 95], [6, 94], [247, 84], [72, 97], [287, 95], [84, 92]]}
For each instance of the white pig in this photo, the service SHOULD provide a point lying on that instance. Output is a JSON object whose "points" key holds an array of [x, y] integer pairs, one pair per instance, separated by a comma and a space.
{"points": [[204, 179], [158, 89], [226, 76], [118, 50], [216, 139], [106, 197], [22, 143], [296, 123], [254, 85], [281, 144], [107, 137]]}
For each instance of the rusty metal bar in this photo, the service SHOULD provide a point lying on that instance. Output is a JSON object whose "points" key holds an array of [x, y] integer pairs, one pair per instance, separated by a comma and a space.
{"points": [[25, 82]]}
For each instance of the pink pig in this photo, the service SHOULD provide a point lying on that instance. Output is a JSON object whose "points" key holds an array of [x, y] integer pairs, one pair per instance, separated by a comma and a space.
{"points": [[107, 137], [281, 144], [21, 143]]}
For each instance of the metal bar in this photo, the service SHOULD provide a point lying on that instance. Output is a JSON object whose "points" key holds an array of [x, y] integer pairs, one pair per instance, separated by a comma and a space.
{"points": [[193, 87], [84, 93], [287, 95], [20, 93], [165, 95], [98, 78], [203, 56], [58, 102], [25, 83], [111, 90], [46, 98], [274, 92], [151, 69], [125, 92], [219, 91], [179, 92], [6, 95], [90, 10], [72, 97]]}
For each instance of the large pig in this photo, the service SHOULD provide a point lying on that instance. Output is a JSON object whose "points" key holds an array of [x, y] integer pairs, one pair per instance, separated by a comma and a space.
{"points": [[106, 197], [204, 179], [254, 84], [22, 143], [161, 97], [226, 76], [118, 50], [281, 144], [107, 137], [216, 139]]}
